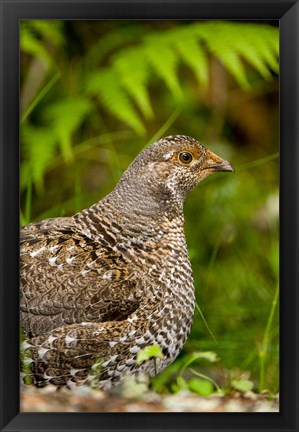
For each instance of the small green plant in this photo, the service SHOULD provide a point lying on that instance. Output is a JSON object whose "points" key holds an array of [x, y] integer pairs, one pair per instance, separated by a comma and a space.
{"points": [[25, 361], [243, 385], [150, 352], [202, 387]]}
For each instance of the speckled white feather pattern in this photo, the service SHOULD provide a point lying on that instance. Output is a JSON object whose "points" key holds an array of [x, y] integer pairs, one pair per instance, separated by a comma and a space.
{"points": [[98, 287]]}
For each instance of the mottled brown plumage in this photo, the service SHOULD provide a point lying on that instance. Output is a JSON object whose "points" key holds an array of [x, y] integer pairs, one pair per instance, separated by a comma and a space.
{"points": [[101, 285]]}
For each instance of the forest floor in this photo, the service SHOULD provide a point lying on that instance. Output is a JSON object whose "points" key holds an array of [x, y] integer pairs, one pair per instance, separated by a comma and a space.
{"points": [[138, 399]]}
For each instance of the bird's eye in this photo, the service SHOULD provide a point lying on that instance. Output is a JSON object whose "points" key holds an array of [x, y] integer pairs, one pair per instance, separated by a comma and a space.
{"points": [[185, 157]]}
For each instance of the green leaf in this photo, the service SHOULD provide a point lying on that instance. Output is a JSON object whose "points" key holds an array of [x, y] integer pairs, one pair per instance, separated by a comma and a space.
{"points": [[33, 34], [164, 60], [110, 42], [201, 387], [195, 57], [206, 355], [179, 385], [270, 48], [66, 116], [51, 30], [106, 86], [34, 47], [133, 76], [250, 48], [242, 385], [39, 145], [231, 60], [152, 351], [182, 383], [126, 81], [230, 42]]}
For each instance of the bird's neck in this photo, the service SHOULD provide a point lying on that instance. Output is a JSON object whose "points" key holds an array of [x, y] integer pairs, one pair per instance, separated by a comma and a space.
{"points": [[145, 200]]}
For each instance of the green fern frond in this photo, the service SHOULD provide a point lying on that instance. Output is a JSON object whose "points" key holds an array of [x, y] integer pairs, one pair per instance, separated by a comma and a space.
{"points": [[270, 48], [122, 87], [32, 46], [106, 86], [160, 54], [38, 146], [66, 116], [107, 44], [193, 54], [33, 35], [271, 36], [48, 30], [164, 61], [232, 42], [220, 43], [133, 74], [249, 47]]}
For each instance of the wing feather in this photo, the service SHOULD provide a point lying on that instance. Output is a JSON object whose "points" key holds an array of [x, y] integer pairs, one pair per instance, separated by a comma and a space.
{"points": [[67, 277]]}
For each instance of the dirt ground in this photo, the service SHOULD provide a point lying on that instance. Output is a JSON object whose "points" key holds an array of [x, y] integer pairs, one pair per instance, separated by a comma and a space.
{"points": [[139, 399]]}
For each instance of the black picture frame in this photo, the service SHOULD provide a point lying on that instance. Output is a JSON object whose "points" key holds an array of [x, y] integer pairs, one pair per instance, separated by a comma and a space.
{"points": [[287, 12]]}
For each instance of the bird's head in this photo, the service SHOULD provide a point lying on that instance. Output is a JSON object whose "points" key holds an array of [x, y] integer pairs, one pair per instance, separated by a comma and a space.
{"points": [[167, 170]]}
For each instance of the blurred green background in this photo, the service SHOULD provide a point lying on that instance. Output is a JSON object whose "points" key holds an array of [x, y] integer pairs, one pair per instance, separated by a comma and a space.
{"points": [[94, 93]]}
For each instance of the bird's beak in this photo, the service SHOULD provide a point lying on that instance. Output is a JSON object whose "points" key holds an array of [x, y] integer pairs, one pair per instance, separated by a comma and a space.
{"points": [[216, 163]]}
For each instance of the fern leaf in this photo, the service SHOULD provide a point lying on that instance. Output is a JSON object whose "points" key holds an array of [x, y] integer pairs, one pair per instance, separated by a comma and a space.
{"points": [[109, 43], [30, 45], [270, 48], [219, 42], [271, 35], [39, 145], [48, 30], [230, 42], [164, 60], [105, 85], [233, 64], [160, 53], [66, 116], [249, 47], [195, 57], [134, 74], [33, 33]]}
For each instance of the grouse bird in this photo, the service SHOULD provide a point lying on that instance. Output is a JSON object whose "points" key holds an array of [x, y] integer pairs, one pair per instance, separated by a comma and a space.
{"points": [[98, 287]]}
